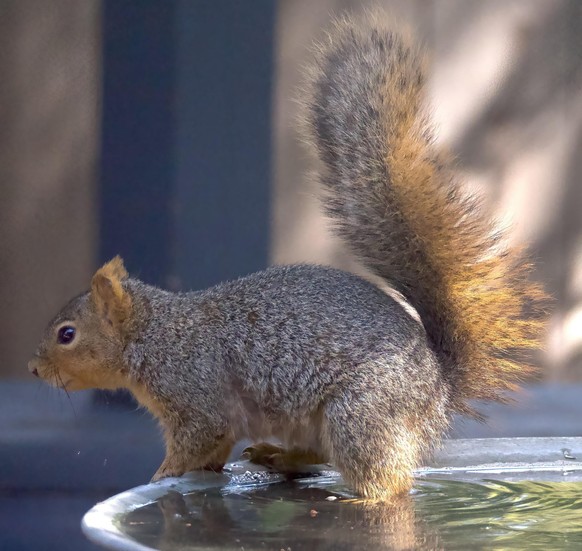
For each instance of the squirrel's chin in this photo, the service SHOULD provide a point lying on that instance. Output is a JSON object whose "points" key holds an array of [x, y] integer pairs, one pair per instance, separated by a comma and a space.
{"points": [[72, 384]]}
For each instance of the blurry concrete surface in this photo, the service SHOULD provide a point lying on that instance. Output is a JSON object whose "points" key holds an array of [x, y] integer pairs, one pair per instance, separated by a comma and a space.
{"points": [[59, 456]]}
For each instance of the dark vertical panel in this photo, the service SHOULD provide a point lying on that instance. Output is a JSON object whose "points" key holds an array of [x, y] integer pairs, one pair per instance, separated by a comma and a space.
{"points": [[137, 167], [186, 138], [223, 97]]}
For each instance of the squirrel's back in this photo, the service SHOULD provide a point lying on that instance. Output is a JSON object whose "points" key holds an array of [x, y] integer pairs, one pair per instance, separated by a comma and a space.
{"points": [[396, 201], [310, 326]]}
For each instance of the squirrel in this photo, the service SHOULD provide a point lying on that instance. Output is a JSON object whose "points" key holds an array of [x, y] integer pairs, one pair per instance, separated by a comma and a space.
{"points": [[328, 363]]}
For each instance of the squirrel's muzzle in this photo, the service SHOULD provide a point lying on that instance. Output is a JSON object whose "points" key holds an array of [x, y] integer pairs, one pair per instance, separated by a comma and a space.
{"points": [[33, 367]]}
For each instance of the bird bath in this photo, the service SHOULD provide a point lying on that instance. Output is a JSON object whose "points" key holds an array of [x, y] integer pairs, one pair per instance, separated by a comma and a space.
{"points": [[498, 493]]}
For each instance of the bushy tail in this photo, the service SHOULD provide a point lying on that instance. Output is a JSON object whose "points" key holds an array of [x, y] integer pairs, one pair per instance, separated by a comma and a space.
{"points": [[396, 201]]}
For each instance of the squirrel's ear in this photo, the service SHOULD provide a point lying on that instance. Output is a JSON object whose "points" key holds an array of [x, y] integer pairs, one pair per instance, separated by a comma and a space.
{"points": [[111, 300]]}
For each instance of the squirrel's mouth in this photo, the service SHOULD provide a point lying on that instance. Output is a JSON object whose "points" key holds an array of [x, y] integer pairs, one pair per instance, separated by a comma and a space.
{"points": [[40, 368], [47, 372], [33, 365]]}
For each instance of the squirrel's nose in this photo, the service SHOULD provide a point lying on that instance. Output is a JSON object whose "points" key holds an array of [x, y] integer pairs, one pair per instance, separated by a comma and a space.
{"points": [[32, 368]]}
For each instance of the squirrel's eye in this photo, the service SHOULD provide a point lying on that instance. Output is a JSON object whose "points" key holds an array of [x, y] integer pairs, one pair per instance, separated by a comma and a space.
{"points": [[66, 334]]}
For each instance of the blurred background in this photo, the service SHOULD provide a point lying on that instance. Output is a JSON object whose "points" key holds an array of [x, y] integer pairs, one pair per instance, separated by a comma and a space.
{"points": [[163, 130]]}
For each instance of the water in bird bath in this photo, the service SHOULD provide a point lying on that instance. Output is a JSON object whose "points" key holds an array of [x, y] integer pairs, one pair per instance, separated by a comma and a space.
{"points": [[489, 505]]}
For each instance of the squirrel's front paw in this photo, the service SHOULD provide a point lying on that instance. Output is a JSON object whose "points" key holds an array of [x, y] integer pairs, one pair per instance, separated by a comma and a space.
{"points": [[164, 472]]}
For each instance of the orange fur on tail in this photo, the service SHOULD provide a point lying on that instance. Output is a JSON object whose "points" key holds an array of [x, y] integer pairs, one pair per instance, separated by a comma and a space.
{"points": [[397, 202]]}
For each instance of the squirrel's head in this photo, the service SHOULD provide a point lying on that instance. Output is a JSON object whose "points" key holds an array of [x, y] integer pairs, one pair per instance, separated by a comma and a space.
{"points": [[82, 346]]}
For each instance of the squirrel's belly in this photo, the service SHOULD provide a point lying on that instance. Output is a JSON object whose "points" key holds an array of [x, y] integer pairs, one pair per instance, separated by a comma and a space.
{"points": [[250, 421]]}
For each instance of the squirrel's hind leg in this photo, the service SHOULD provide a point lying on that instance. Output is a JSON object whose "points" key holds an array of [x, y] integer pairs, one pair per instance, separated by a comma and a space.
{"points": [[281, 460], [375, 453], [216, 460]]}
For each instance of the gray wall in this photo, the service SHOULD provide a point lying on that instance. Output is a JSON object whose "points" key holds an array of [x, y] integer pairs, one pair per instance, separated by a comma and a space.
{"points": [[49, 128]]}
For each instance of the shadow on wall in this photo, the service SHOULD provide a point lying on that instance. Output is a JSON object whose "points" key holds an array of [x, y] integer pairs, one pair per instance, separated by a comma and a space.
{"points": [[505, 88]]}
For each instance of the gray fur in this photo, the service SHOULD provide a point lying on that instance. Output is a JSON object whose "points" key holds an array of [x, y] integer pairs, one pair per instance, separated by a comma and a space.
{"points": [[285, 353]]}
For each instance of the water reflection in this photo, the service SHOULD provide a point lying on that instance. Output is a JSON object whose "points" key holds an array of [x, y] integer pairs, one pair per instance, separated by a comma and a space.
{"points": [[311, 514]]}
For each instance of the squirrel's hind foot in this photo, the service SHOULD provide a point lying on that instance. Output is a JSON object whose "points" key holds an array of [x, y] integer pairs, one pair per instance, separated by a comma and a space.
{"points": [[277, 458]]}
